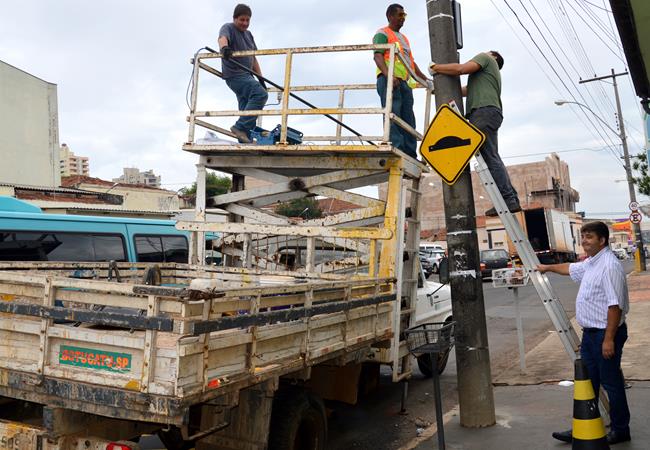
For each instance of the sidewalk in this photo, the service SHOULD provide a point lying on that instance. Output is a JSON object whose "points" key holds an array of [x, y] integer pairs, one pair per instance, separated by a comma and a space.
{"points": [[530, 406]]}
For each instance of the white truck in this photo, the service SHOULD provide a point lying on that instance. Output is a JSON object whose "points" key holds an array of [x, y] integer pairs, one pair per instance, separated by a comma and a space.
{"points": [[550, 232]]}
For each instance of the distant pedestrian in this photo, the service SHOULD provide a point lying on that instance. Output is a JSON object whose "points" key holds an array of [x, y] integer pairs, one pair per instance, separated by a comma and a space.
{"points": [[251, 93], [484, 110], [403, 83], [601, 307]]}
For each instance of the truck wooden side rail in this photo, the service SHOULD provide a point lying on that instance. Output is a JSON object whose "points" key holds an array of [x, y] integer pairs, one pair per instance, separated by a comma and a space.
{"points": [[149, 353]]}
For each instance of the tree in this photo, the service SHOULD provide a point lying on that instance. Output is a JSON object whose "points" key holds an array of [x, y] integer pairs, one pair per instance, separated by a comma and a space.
{"points": [[306, 207], [214, 185], [640, 165]]}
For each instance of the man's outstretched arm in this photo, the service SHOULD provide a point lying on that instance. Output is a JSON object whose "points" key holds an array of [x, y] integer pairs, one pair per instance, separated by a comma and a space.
{"points": [[455, 68], [562, 269]]}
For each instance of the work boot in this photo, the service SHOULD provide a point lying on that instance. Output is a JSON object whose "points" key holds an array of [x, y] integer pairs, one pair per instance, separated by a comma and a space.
{"points": [[513, 207], [614, 437], [564, 436], [241, 135]]}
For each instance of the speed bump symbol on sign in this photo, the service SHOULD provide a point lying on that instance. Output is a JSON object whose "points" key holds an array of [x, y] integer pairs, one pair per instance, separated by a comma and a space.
{"points": [[449, 143]]}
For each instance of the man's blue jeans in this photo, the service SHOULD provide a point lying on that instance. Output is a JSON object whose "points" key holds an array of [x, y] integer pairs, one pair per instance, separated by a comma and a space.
{"points": [[488, 119], [608, 373], [403, 108], [250, 96]]}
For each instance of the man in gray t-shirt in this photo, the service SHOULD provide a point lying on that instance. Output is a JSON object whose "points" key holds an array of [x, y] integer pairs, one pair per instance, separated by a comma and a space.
{"points": [[251, 93]]}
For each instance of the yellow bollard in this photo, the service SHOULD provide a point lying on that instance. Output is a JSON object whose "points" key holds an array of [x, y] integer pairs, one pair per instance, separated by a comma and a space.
{"points": [[637, 260]]}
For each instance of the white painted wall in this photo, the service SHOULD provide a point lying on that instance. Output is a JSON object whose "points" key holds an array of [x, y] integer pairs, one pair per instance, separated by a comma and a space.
{"points": [[29, 129]]}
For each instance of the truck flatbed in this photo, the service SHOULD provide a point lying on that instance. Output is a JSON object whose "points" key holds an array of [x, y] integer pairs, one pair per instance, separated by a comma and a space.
{"points": [[143, 352]]}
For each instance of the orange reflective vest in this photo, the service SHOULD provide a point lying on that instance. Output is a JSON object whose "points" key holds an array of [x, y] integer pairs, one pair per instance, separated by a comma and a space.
{"points": [[404, 48]]}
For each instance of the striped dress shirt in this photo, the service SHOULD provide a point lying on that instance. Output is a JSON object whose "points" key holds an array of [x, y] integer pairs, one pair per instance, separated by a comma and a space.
{"points": [[602, 284]]}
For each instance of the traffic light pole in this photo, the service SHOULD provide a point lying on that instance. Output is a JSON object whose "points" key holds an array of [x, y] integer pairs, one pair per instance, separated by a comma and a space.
{"points": [[475, 394], [638, 236]]}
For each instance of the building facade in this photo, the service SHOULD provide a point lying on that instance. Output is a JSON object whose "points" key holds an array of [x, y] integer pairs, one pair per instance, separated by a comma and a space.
{"points": [[29, 129], [132, 175], [135, 197], [71, 164], [539, 184]]}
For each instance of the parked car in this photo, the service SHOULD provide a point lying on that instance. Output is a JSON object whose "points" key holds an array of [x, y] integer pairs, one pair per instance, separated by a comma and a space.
{"points": [[433, 255], [620, 253], [494, 259], [427, 265]]}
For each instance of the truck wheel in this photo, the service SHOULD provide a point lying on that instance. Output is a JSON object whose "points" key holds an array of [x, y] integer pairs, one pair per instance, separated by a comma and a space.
{"points": [[298, 422], [424, 363]]}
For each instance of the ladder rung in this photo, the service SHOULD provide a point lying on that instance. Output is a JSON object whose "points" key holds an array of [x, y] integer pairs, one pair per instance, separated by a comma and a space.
{"points": [[407, 311], [414, 191], [411, 220]]}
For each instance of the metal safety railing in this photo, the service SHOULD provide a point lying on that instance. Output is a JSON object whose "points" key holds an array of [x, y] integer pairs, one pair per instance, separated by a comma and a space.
{"points": [[200, 117]]}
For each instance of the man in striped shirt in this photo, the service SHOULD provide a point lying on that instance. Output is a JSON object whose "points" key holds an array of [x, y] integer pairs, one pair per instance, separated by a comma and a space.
{"points": [[601, 306]]}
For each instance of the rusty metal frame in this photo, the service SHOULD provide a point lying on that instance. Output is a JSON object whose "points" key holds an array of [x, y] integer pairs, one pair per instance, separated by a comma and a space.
{"points": [[195, 117]]}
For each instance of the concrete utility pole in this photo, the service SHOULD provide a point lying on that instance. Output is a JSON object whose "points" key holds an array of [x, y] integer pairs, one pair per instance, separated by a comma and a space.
{"points": [[628, 169], [475, 395]]}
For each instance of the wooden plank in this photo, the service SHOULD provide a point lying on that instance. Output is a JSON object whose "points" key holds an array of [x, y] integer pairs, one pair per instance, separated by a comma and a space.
{"points": [[149, 346], [49, 292]]}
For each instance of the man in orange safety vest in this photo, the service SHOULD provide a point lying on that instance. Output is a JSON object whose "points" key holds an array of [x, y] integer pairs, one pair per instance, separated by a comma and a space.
{"points": [[403, 82]]}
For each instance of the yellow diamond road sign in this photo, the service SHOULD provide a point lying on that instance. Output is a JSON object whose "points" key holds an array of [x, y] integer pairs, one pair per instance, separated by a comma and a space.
{"points": [[449, 143]]}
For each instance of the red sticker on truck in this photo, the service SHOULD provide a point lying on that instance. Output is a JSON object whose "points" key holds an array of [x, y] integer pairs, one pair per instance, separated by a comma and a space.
{"points": [[95, 359]]}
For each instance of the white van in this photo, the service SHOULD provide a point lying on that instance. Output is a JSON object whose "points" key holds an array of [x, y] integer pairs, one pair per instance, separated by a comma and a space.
{"points": [[426, 246]]}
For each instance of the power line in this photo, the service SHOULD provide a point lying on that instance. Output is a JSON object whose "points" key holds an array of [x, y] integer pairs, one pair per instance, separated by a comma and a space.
{"points": [[571, 34], [596, 6], [620, 52], [570, 150], [581, 54], [594, 31], [569, 91]]}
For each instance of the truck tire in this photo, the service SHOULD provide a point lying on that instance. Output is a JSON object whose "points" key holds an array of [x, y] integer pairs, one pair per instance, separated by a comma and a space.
{"points": [[424, 363], [298, 422]]}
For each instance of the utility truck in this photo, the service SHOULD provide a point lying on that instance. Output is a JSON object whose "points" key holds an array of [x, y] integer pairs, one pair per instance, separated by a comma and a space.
{"points": [[552, 234], [242, 353]]}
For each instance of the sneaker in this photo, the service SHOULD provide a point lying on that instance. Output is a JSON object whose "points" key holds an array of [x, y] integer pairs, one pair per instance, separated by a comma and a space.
{"points": [[241, 135]]}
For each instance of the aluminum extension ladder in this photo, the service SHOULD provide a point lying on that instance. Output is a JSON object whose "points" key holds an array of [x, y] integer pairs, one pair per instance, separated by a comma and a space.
{"points": [[528, 257]]}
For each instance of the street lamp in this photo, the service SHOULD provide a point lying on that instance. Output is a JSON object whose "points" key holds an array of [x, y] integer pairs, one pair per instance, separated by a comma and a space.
{"points": [[628, 169]]}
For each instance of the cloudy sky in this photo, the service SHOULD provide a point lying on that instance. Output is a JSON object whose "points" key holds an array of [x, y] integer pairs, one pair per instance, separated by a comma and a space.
{"points": [[122, 69]]}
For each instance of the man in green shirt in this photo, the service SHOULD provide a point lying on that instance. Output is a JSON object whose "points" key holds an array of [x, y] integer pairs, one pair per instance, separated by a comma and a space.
{"points": [[484, 110]]}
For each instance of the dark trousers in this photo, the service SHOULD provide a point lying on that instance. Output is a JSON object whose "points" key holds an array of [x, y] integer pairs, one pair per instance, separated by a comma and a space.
{"points": [[608, 373], [403, 108], [488, 119], [250, 96]]}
